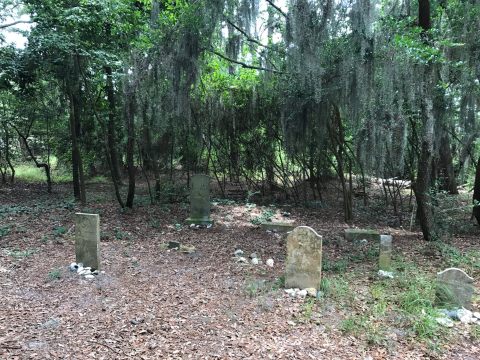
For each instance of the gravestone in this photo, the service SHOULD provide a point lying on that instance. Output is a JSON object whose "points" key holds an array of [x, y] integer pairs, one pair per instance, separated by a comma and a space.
{"points": [[199, 200], [454, 288], [385, 258], [361, 234], [87, 240], [304, 259], [277, 226]]}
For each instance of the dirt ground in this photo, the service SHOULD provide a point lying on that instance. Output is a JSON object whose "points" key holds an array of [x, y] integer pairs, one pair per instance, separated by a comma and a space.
{"points": [[151, 303]]}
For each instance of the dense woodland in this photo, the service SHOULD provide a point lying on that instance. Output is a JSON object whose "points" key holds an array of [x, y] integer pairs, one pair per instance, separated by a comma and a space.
{"points": [[279, 97], [346, 116]]}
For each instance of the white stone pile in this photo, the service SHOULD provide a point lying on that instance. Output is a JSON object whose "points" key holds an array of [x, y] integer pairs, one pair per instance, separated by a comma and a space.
{"points": [[86, 272], [463, 315], [302, 293], [254, 259]]}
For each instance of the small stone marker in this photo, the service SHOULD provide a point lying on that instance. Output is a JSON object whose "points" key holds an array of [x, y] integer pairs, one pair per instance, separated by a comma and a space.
{"points": [[385, 258], [361, 234], [277, 226], [200, 200], [454, 288], [304, 259], [87, 240]]}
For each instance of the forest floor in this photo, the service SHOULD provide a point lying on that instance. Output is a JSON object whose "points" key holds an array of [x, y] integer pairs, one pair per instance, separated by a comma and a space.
{"points": [[153, 303]]}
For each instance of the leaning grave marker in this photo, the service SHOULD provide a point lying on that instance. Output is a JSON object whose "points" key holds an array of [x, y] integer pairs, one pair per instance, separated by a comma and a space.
{"points": [[199, 200], [454, 288], [304, 259], [87, 240]]}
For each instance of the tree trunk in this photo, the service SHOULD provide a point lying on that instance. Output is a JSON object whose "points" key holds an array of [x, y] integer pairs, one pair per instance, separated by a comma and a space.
{"points": [[112, 121], [423, 184], [446, 165], [129, 122], [74, 92], [476, 194], [7, 153], [337, 139]]}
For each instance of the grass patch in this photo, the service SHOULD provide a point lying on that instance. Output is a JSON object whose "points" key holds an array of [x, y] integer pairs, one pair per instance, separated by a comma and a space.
{"points": [[4, 230], [469, 261], [256, 287], [266, 216], [59, 231], [19, 254], [55, 274], [28, 172], [339, 266], [405, 302]]}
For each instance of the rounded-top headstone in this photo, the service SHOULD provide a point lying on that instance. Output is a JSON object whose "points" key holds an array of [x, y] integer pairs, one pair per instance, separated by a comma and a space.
{"points": [[304, 259], [454, 288]]}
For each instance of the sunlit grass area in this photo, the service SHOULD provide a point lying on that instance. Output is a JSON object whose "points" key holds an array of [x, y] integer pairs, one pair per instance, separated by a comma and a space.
{"points": [[28, 172]]}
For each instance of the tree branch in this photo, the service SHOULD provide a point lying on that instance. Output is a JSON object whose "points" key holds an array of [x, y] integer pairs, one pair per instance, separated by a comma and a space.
{"points": [[277, 8], [244, 64], [3, 26], [249, 38]]}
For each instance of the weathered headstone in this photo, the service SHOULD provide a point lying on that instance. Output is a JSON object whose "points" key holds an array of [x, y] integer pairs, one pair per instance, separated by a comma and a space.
{"points": [[277, 226], [199, 200], [385, 258], [304, 259], [361, 234], [87, 240], [454, 288]]}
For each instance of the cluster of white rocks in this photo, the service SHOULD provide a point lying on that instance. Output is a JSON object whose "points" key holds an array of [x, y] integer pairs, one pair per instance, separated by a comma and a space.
{"points": [[463, 315], [87, 272], [302, 293], [385, 274], [254, 259]]}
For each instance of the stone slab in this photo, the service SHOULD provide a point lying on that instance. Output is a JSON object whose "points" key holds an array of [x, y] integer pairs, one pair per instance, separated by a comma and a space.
{"points": [[454, 288], [87, 240], [277, 226], [304, 259], [362, 234]]}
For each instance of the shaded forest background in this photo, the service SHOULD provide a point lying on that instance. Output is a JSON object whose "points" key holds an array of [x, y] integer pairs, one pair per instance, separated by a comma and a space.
{"points": [[272, 98]]}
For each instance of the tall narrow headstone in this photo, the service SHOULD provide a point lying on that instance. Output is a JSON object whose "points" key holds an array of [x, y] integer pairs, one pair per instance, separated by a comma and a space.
{"points": [[304, 259], [87, 239], [199, 200], [385, 258], [454, 288]]}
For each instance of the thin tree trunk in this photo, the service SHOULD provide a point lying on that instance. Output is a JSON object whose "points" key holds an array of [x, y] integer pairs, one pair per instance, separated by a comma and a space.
{"points": [[423, 183], [446, 165], [129, 122], [112, 120], [45, 166], [7, 153], [75, 91], [476, 194]]}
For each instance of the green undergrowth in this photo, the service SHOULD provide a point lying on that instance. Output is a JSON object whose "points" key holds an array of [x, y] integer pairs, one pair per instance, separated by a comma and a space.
{"points": [[454, 257], [374, 309]]}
